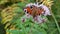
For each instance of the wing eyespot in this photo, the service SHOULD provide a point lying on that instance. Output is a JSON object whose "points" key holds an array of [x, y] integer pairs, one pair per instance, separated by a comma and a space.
{"points": [[31, 7], [25, 10]]}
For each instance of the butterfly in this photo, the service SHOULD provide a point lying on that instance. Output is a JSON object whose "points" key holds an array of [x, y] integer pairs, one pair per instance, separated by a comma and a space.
{"points": [[36, 11]]}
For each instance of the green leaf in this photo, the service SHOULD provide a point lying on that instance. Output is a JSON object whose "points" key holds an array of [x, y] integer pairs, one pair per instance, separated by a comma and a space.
{"points": [[44, 25]]}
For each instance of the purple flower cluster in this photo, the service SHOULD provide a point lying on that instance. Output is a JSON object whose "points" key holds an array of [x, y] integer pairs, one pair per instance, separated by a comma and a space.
{"points": [[38, 19]]}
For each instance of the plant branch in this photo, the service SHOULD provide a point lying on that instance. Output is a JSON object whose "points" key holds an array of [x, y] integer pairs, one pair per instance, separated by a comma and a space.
{"points": [[55, 21]]}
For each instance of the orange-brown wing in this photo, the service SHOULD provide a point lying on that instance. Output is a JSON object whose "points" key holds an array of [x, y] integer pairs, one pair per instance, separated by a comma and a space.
{"points": [[40, 11], [29, 10]]}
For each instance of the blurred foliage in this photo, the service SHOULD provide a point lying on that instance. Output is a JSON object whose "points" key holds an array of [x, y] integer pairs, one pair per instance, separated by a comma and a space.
{"points": [[11, 12]]}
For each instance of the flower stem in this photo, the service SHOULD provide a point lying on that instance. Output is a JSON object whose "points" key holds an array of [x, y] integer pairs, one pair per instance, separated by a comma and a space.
{"points": [[55, 21]]}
